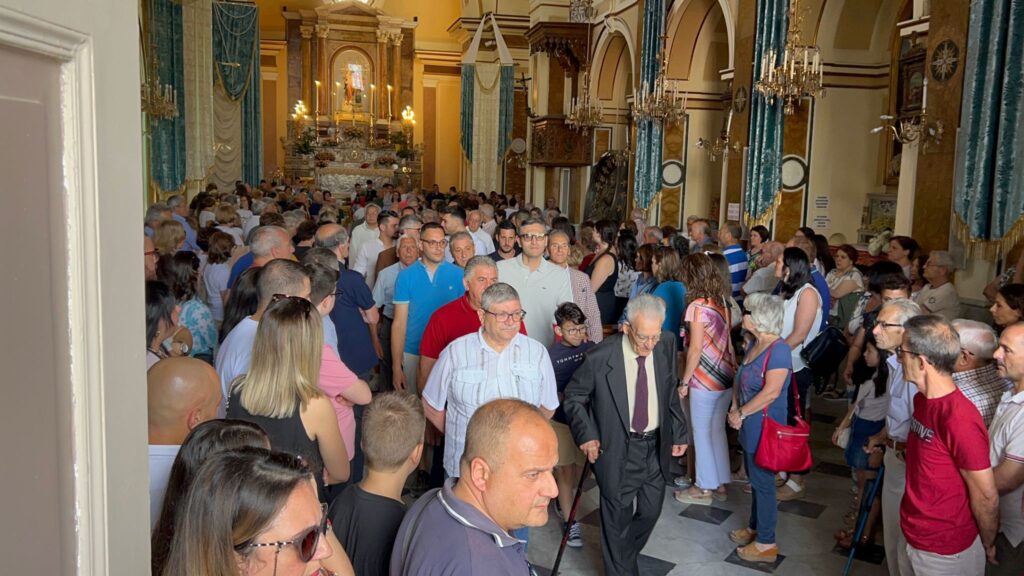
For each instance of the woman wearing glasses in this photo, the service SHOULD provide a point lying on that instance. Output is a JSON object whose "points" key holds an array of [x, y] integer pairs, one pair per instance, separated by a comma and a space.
{"points": [[250, 512], [281, 392]]}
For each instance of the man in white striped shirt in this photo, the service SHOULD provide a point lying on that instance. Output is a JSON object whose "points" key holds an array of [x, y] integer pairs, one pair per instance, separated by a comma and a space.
{"points": [[496, 362]]}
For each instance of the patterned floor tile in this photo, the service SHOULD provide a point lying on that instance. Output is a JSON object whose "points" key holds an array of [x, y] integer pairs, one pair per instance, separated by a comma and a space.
{"points": [[708, 514], [802, 508], [651, 566], [762, 567], [832, 468], [870, 553]]}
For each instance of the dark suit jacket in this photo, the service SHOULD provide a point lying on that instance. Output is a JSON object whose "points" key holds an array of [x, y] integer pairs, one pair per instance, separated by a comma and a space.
{"points": [[597, 407]]}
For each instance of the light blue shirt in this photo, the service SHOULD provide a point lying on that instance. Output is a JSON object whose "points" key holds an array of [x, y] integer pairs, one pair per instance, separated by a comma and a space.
{"points": [[901, 401], [190, 234], [330, 334], [384, 288]]}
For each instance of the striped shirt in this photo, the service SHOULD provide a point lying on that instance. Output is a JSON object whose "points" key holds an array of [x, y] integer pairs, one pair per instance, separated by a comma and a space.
{"points": [[716, 367], [469, 373], [583, 294], [738, 264], [1007, 443], [983, 387]]}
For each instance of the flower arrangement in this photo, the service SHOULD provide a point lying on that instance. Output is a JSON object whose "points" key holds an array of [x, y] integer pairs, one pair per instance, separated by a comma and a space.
{"points": [[385, 160], [352, 133], [304, 143], [323, 158]]}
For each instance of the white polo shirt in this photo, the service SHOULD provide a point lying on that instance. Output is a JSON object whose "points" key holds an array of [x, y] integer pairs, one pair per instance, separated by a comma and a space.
{"points": [[1007, 443], [540, 293]]}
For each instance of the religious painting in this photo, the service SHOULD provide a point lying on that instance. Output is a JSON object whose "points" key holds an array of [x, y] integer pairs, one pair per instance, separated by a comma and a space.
{"points": [[912, 86], [352, 75]]}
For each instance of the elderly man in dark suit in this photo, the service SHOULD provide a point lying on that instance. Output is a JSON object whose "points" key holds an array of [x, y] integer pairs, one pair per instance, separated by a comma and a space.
{"points": [[625, 415]]}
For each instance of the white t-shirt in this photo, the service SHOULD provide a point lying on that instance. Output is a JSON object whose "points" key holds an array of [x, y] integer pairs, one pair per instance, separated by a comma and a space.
{"points": [[235, 233], [365, 261], [942, 300], [215, 279], [869, 406], [235, 353], [161, 458], [486, 239], [360, 235]]}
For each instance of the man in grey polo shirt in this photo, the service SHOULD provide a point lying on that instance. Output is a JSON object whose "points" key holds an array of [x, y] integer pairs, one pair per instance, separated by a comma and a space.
{"points": [[506, 483], [541, 285]]}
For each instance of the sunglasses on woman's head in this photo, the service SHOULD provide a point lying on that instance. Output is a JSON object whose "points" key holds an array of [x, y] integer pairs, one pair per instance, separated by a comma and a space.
{"points": [[306, 304], [305, 543]]}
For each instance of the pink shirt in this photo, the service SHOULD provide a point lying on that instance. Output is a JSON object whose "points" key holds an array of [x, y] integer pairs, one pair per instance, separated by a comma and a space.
{"points": [[335, 378]]}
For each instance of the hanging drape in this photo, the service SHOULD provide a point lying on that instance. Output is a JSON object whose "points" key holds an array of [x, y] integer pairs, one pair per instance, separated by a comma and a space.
{"points": [[647, 180], [466, 109], [486, 111], [237, 70], [507, 106], [764, 171], [167, 152], [227, 118], [197, 19], [988, 193]]}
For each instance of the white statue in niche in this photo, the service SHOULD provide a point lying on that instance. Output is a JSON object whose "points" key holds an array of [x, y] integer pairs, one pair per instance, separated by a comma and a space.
{"points": [[352, 73]]}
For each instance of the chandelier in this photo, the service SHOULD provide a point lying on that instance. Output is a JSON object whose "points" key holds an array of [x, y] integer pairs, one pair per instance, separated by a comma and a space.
{"points": [[660, 103], [159, 101], [797, 74], [585, 113]]}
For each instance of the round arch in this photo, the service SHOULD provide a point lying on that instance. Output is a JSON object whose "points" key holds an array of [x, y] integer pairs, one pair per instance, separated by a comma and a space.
{"points": [[675, 18]]}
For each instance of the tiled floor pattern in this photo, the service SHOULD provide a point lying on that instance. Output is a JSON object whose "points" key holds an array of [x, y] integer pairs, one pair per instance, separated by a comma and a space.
{"points": [[694, 539]]}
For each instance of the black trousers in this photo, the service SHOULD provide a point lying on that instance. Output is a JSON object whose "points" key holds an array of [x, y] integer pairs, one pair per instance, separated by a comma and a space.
{"points": [[386, 365], [630, 510]]}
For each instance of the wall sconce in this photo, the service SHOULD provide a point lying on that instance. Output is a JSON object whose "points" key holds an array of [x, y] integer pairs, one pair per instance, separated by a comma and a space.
{"points": [[911, 129]]}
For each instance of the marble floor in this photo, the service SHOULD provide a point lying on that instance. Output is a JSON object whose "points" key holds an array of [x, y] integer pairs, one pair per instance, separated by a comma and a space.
{"points": [[694, 539]]}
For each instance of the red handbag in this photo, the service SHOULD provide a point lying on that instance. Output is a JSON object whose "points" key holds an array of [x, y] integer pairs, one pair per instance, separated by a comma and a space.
{"points": [[784, 448]]}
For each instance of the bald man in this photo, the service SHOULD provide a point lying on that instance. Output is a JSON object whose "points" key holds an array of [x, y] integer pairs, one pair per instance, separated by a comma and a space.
{"points": [[183, 393]]}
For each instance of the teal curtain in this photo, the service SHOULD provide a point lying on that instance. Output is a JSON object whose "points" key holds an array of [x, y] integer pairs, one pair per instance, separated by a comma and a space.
{"points": [[988, 194], [167, 153], [466, 112], [506, 107], [236, 62], [764, 157], [647, 180]]}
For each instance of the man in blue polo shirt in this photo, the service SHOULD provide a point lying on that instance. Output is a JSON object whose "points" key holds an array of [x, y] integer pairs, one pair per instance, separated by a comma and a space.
{"points": [[506, 483], [421, 289], [729, 238]]}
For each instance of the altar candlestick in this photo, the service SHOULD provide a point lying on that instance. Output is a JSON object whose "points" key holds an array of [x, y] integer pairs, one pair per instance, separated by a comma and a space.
{"points": [[389, 102]]}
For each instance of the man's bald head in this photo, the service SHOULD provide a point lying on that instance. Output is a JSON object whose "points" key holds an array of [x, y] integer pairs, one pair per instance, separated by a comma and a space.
{"points": [[493, 425], [183, 393]]}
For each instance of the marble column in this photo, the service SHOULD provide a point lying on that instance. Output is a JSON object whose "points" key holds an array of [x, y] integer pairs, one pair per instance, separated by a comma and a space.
{"points": [[322, 30], [307, 56]]}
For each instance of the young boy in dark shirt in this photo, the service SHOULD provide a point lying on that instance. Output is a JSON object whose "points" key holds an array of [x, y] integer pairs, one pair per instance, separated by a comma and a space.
{"points": [[366, 516], [566, 356]]}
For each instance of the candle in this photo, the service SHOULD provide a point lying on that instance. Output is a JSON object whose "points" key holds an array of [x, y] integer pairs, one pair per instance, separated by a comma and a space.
{"points": [[728, 122], [373, 91], [389, 102], [924, 96]]}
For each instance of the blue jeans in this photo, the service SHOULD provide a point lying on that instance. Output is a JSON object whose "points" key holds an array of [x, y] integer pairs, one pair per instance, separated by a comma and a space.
{"points": [[762, 485]]}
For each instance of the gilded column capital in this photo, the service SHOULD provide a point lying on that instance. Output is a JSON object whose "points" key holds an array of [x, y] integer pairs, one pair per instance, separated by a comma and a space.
{"points": [[322, 30], [306, 32]]}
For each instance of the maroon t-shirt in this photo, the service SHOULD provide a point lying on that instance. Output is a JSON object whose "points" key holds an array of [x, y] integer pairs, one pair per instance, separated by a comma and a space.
{"points": [[453, 320], [947, 435]]}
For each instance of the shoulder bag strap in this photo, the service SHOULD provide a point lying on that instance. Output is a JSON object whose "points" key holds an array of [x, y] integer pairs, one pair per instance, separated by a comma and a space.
{"points": [[764, 375]]}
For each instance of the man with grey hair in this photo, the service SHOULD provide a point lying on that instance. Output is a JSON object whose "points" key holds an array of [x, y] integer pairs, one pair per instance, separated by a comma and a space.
{"points": [[950, 512], [700, 235], [488, 224], [384, 298], [496, 361], [625, 415], [365, 261], [892, 438], [763, 279], [257, 207], [939, 295], [462, 247], [179, 211], [155, 214], [409, 225], [653, 235], [474, 223], [975, 373], [267, 243], [367, 230]]}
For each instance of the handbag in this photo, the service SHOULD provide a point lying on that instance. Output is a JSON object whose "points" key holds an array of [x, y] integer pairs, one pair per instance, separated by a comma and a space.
{"points": [[826, 352], [784, 448]]}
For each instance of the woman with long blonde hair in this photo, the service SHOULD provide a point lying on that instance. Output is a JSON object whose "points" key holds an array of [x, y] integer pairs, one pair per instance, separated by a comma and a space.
{"points": [[281, 391]]}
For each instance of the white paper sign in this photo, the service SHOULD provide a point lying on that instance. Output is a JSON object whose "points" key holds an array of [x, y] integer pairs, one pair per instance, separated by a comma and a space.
{"points": [[822, 222], [821, 202], [733, 211]]}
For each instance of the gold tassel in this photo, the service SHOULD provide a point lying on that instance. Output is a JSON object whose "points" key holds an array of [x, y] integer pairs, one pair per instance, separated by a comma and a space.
{"points": [[990, 250], [769, 214]]}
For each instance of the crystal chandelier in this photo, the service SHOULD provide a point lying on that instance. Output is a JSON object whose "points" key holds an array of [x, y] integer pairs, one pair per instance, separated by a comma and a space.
{"points": [[159, 101], [585, 113], [661, 103], [797, 74]]}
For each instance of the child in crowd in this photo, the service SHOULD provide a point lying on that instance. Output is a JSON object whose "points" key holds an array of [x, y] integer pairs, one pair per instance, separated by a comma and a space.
{"points": [[366, 516], [566, 356]]}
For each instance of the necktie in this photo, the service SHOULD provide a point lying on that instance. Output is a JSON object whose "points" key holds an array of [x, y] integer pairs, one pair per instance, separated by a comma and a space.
{"points": [[640, 416]]}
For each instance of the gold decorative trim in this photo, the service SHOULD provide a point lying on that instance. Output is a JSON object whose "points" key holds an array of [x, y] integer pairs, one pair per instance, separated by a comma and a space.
{"points": [[988, 249], [769, 214]]}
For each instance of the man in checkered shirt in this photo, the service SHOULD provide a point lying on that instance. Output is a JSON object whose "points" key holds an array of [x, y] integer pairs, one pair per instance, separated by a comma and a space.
{"points": [[976, 374]]}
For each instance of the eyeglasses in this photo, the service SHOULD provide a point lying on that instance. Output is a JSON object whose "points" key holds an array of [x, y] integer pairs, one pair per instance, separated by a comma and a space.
{"points": [[889, 325], [506, 316], [577, 331], [653, 339], [435, 243], [306, 543], [150, 253], [532, 237], [900, 351]]}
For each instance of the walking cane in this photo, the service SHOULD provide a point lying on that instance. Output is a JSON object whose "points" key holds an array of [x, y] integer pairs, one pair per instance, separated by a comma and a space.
{"points": [[862, 517], [569, 519]]}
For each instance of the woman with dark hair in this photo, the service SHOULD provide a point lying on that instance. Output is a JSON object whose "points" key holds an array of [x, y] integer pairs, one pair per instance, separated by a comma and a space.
{"points": [[217, 272], [1008, 307], [668, 280], [626, 247], [604, 269], [250, 512], [759, 236], [180, 273], [845, 279], [903, 250], [281, 391], [243, 302], [824, 254], [209, 438], [805, 231], [162, 324], [304, 237], [645, 281], [801, 325], [707, 376]]}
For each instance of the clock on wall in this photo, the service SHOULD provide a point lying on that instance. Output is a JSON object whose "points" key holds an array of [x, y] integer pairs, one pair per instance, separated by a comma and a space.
{"points": [[739, 100], [945, 60]]}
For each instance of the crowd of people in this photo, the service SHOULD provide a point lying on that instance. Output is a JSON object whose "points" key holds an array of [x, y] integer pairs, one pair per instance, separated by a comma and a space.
{"points": [[404, 382]]}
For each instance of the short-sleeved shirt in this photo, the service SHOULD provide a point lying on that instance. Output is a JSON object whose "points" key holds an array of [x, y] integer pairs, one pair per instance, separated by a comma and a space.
{"points": [[424, 295], [751, 376], [673, 293], [335, 378], [366, 525], [364, 263], [942, 300], [469, 373], [235, 352], [454, 538], [161, 458], [215, 278], [190, 234], [1007, 443], [540, 293], [196, 316], [946, 436], [354, 344], [453, 320], [738, 264], [717, 367], [984, 387], [384, 289], [565, 360], [901, 401]]}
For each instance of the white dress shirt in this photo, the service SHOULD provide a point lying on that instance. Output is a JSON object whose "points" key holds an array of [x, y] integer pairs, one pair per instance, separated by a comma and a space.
{"points": [[630, 357]]}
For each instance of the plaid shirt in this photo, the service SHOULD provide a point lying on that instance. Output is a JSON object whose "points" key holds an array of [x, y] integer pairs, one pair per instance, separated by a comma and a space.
{"points": [[983, 387]]}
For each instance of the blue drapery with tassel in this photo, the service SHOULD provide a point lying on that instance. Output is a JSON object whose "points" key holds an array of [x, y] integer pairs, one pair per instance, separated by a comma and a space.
{"points": [[466, 112], [764, 157], [236, 64], [167, 150], [506, 107], [988, 194], [647, 180]]}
